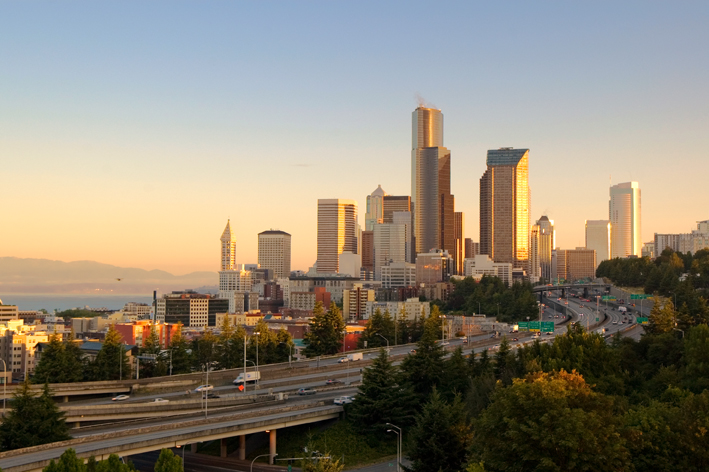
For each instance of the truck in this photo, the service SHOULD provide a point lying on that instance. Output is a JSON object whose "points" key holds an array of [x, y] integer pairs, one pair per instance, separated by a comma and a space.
{"points": [[251, 378], [623, 309], [356, 356]]}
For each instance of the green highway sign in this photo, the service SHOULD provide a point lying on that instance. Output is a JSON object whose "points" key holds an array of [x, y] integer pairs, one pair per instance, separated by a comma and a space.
{"points": [[523, 326], [547, 326], [535, 325], [639, 296], [642, 320], [609, 298]]}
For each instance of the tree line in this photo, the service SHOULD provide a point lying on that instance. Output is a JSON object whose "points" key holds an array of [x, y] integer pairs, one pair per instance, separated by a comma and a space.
{"points": [[64, 361], [577, 403]]}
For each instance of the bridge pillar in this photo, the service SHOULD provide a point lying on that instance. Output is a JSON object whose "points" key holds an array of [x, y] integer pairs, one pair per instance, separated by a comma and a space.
{"points": [[272, 444], [563, 293], [242, 447], [66, 399], [194, 448], [223, 452]]}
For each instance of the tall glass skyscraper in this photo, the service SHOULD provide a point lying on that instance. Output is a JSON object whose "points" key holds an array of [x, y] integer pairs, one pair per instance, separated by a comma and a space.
{"points": [[431, 198], [337, 232], [505, 206], [624, 210]]}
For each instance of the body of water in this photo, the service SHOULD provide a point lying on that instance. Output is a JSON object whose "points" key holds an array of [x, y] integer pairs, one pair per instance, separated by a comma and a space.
{"points": [[51, 301]]}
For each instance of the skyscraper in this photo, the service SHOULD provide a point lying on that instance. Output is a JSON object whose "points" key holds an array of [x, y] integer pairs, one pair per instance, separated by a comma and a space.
{"points": [[394, 203], [274, 252], [505, 206], [375, 208], [337, 232], [228, 248], [431, 197], [624, 211], [389, 246], [598, 238], [546, 242], [458, 231]]}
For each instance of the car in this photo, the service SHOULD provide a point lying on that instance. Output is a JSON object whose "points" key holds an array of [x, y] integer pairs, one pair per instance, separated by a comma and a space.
{"points": [[120, 398], [332, 382], [515, 339], [212, 395], [550, 316], [343, 400], [444, 343], [615, 322], [413, 351], [160, 400], [549, 333], [465, 341], [204, 388], [306, 391], [342, 360], [556, 316], [462, 337]]}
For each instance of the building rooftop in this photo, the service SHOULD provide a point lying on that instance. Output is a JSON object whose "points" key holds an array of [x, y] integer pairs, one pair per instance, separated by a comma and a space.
{"points": [[274, 231], [505, 156]]}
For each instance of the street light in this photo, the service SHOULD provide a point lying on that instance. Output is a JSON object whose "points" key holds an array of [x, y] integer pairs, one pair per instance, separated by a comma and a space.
{"points": [[401, 434], [398, 449], [385, 339], [262, 455], [290, 355], [443, 336], [257, 334]]}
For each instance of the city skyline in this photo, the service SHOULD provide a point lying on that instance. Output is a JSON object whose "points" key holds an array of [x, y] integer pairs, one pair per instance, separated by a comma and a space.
{"points": [[84, 152]]}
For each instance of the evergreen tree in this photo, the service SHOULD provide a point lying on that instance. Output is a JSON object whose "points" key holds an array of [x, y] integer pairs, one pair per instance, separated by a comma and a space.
{"points": [[456, 375], [111, 362], [696, 358], [32, 420], [52, 365], [204, 351], [662, 317], [168, 462], [151, 347], [441, 436], [504, 359], [404, 333], [326, 334], [180, 355], [68, 462], [231, 350], [377, 326], [74, 360], [381, 399], [423, 370]]}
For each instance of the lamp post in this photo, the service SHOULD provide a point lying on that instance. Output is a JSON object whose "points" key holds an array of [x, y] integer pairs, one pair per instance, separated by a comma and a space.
{"points": [[401, 435], [290, 350], [398, 449], [257, 339], [4, 385], [262, 455], [385, 339], [443, 336]]}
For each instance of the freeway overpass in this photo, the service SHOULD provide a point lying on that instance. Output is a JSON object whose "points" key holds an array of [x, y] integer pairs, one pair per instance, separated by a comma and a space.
{"points": [[153, 438]]}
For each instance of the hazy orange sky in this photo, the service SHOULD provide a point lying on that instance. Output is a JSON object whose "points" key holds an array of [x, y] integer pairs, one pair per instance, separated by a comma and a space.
{"points": [[129, 133]]}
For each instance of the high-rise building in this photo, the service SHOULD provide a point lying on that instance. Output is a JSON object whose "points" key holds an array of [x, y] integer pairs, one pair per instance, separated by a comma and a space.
{"points": [[274, 252], [624, 210], [368, 253], [228, 248], [406, 218], [337, 232], [458, 232], [389, 246], [535, 268], [575, 264], [433, 267], [598, 238], [431, 198], [394, 203], [546, 241], [375, 208], [481, 265], [472, 249], [505, 206]]}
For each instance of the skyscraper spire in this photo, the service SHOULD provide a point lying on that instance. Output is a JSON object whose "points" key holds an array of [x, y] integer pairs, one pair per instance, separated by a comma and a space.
{"points": [[228, 248]]}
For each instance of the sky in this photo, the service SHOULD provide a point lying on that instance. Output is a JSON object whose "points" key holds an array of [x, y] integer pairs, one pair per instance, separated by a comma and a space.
{"points": [[131, 131]]}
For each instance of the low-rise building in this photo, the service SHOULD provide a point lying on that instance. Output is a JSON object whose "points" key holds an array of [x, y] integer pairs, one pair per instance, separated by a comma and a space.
{"points": [[136, 332], [18, 345], [412, 308], [354, 302], [481, 265], [190, 308], [398, 274], [433, 267]]}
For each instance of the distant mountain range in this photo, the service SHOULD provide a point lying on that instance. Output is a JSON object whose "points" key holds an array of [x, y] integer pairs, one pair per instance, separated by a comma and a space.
{"points": [[46, 276]]}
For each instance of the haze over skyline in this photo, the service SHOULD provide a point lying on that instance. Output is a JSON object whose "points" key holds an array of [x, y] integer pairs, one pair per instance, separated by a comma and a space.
{"points": [[130, 134]]}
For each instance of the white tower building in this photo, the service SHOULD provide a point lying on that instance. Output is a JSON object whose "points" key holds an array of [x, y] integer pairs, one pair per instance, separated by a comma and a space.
{"points": [[624, 211]]}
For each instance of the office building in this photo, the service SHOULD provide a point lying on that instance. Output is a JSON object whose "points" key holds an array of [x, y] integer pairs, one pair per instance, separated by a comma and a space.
{"points": [[137, 332], [306, 300], [412, 309], [8, 312], [572, 265], [395, 203], [433, 267], [399, 274], [375, 208], [354, 302], [350, 264], [624, 211], [389, 246], [649, 250], [505, 206], [472, 248], [482, 265], [683, 242], [406, 218], [542, 241], [431, 198], [334, 284], [458, 233], [368, 253], [192, 309], [274, 252], [337, 232], [18, 347], [598, 238]]}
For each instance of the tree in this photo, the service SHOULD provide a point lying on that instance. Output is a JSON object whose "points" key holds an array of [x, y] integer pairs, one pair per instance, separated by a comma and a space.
{"points": [[378, 325], [151, 347], [321, 463], [326, 335], [662, 317], [441, 436], [381, 399], [180, 356], [550, 422], [231, 350], [456, 375], [168, 462], [32, 420], [204, 350], [68, 462], [423, 369], [74, 360], [111, 362], [52, 365], [696, 358]]}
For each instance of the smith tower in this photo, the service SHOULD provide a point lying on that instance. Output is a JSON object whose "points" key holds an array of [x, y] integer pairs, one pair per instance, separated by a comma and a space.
{"points": [[431, 198]]}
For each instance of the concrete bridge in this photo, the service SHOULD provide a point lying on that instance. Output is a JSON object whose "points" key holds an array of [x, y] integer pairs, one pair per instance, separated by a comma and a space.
{"points": [[154, 438]]}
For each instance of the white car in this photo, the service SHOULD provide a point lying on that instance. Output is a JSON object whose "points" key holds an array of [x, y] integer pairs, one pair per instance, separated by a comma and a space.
{"points": [[160, 400], [343, 400], [204, 388], [342, 360], [120, 398]]}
